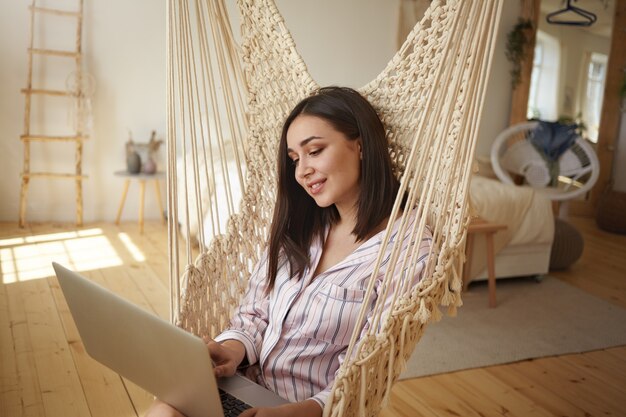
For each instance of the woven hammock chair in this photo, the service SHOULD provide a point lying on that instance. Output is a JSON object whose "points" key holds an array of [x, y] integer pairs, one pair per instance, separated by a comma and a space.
{"points": [[227, 101]]}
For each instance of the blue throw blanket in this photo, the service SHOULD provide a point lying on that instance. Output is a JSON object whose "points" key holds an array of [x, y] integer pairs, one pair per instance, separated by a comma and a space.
{"points": [[552, 139]]}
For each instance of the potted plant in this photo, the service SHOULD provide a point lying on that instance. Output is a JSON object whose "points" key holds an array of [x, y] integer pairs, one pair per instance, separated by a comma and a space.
{"points": [[517, 44]]}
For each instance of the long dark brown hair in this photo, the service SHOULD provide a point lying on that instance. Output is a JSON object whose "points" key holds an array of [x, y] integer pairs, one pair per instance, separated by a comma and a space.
{"points": [[297, 218]]}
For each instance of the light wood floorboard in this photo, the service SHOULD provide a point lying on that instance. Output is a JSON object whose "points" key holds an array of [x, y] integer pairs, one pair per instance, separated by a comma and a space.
{"points": [[45, 370]]}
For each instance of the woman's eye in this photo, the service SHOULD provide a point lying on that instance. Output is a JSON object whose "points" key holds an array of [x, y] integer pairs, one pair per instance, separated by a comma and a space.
{"points": [[295, 162], [315, 152]]}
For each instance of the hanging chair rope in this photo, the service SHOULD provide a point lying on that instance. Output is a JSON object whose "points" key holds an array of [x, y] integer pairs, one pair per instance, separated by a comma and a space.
{"points": [[224, 122]]}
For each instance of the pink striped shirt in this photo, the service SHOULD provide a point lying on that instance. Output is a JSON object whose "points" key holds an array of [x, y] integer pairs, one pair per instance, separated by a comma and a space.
{"points": [[298, 334]]}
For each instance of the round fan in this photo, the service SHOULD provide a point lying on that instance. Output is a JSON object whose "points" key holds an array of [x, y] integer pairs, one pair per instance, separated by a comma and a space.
{"points": [[515, 159]]}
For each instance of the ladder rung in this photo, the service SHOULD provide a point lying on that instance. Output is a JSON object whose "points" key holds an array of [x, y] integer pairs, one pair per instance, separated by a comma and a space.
{"points": [[45, 138], [53, 175], [54, 11], [67, 54], [47, 92]]}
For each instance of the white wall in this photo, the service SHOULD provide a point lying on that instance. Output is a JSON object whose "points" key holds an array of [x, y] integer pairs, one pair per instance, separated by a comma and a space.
{"points": [[124, 50], [495, 116], [345, 42], [12, 77]]}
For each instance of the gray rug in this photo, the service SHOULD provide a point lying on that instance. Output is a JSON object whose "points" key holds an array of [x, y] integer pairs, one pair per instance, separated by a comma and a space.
{"points": [[531, 320]]}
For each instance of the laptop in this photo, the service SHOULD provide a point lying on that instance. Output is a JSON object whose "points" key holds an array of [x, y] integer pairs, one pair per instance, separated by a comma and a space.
{"points": [[166, 361]]}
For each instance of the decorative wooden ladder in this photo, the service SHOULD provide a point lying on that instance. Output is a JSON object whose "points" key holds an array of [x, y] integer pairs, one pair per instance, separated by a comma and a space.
{"points": [[28, 136]]}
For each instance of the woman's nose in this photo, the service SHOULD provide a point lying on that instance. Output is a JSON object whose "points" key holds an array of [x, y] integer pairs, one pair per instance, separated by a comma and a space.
{"points": [[303, 169]]}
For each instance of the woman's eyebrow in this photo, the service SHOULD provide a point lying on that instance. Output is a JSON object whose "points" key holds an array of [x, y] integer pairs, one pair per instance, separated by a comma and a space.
{"points": [[305, 141]]}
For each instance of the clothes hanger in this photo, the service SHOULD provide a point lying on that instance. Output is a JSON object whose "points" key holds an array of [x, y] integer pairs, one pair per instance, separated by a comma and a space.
{"points": [[588, 18]]}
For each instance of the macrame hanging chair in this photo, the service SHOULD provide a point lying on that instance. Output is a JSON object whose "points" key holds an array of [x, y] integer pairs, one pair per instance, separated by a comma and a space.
{"points": [[227, 101]]}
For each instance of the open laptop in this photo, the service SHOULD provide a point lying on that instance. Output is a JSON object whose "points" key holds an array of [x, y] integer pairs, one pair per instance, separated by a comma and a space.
{"points": [[166, 361]]}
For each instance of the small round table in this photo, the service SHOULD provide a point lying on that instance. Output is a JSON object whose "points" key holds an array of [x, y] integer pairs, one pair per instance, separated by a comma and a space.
{"points": [[142, 178]]}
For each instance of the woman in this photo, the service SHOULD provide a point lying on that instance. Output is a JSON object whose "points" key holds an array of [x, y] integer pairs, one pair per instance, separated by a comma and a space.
{"points": [[336, 190]]}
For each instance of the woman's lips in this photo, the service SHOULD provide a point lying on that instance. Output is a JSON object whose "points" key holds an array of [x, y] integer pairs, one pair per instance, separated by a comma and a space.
{"points": [[316, 187]]}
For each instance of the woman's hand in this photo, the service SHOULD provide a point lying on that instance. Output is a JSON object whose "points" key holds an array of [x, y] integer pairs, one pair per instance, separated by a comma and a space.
{"points": [[226, 356], [308, 408]]}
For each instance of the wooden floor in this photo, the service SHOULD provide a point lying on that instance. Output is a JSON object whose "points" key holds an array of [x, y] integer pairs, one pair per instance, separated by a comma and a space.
{"points": [[45, 371]]}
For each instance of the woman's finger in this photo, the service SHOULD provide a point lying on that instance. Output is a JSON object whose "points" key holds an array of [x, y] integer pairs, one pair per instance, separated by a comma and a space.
{"points": [[250, 412]]}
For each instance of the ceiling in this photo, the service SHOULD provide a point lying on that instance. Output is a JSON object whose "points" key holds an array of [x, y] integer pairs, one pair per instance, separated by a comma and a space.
{"points": [[603, 9]]}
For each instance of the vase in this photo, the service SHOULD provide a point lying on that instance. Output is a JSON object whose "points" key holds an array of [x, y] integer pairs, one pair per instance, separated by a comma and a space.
{"points": [[133, 163], [149, 167]]}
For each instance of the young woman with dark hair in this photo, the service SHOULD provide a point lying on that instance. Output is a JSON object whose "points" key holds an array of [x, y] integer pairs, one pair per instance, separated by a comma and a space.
{"points": [[298, 218], [336, 191]]}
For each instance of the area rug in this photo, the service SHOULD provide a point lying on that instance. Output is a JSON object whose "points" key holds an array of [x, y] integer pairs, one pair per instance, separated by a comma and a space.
{"points": [[532, 320]]}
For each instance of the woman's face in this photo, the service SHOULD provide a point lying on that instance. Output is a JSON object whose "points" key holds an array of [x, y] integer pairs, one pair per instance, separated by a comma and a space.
{"points": [[327, 164]]}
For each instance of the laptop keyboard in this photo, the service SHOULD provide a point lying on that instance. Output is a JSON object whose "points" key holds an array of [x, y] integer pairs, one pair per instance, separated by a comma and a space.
{"points": [[232, 406]]}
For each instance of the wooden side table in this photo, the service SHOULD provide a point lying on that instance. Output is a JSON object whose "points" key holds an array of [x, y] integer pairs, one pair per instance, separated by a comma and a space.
{"points": [[142, 178], [481, 226]]}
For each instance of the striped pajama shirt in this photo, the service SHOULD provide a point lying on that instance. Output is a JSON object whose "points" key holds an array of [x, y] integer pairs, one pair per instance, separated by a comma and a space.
{"points": [[299, 333]]}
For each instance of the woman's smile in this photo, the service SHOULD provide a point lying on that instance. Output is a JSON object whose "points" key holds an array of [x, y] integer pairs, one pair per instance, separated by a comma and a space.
{"points": [[315, 187]]}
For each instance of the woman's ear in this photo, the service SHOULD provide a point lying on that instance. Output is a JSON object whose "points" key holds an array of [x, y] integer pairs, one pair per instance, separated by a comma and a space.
{"points": [[359, 144]]}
